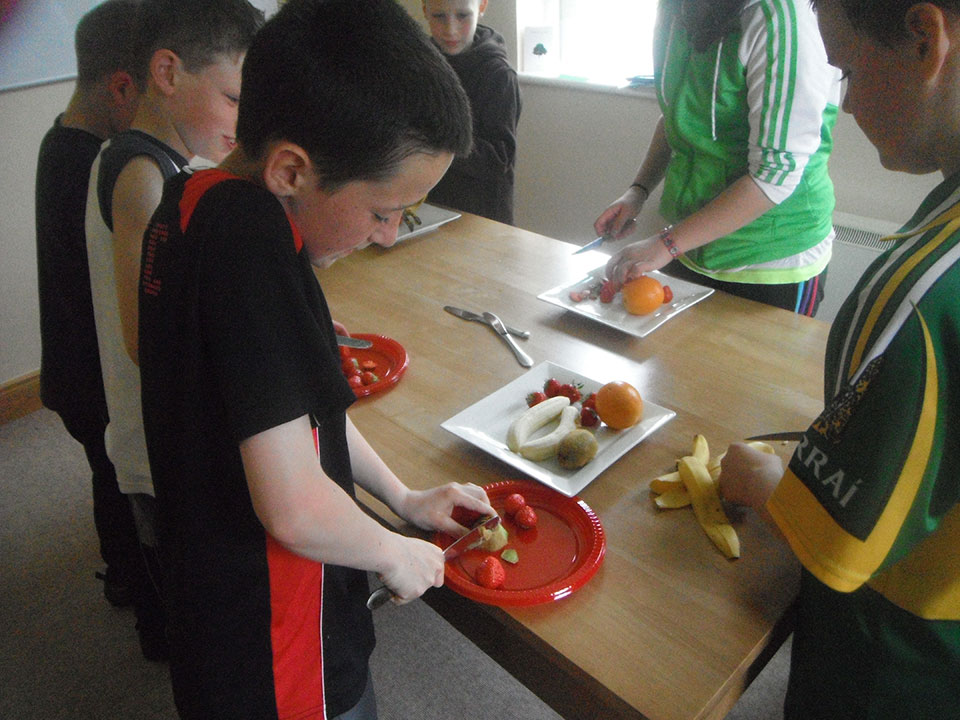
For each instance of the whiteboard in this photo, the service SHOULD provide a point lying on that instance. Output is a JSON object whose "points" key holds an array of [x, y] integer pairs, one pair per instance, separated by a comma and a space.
{"points": [[36, 39]]}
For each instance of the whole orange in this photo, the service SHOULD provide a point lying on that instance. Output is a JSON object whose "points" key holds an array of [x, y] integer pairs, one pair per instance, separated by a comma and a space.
{"points": [[619, 405], [642, 295]]}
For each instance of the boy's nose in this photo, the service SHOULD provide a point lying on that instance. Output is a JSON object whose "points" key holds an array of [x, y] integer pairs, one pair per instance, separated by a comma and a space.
{"points": [[386, 235]]}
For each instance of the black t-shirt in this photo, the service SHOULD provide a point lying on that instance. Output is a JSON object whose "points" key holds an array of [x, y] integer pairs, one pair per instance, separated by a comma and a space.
{"points": [[70, 376], [236, 338]]}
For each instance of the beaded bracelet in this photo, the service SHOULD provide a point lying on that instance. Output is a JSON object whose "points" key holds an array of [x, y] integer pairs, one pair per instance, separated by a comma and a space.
{"points": [[666, 237], [646, 193]]}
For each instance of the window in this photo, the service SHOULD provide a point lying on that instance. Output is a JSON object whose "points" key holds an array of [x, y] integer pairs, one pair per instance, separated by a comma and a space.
{"points": [[607, 42]]}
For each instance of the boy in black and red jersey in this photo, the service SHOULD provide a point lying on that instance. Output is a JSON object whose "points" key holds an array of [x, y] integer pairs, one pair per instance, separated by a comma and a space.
{"points": [[347, 116]]}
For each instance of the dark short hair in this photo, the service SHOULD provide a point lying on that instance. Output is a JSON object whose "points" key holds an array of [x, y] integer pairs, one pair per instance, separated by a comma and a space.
{"points": [[885, 20], [105, 41], [356, 84], [198, 31]]}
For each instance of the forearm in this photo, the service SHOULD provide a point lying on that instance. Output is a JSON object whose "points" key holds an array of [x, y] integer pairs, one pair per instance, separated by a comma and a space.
{"points": [[739, 204], [305, 510]]}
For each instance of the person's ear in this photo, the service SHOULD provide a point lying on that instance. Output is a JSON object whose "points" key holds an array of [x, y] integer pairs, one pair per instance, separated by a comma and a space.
{"points": [[929, 37], [122, 89], [164, 66], [287, 170]]}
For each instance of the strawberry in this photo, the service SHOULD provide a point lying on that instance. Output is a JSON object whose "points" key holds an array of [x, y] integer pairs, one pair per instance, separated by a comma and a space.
{"points": [[551, 387], [355, 381], [535, 398], [369, 365], [349, 366], [667, 294], [590, 401], [571, 391], [344, 352], [526, 517], [513, 502], [607, 291], [589, 417], [490, 573], [369, 378]]}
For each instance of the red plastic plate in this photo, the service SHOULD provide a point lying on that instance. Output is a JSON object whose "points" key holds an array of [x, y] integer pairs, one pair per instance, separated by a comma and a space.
{"points": [[390, 358], [556, 557]]}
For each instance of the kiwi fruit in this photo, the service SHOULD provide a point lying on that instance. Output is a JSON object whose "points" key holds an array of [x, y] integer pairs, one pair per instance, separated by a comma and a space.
{"points": [[577, 449]]}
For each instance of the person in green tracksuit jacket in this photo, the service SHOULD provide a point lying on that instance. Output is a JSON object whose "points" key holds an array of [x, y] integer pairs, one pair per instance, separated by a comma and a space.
{"points": [[748, 106]]}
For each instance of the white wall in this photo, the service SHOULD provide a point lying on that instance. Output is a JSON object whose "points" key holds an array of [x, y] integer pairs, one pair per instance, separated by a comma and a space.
{"points": [[25, 115], [578, 150]]}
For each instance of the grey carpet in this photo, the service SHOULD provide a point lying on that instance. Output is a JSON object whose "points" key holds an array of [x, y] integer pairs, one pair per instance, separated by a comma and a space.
{"points": [[66, 654]]}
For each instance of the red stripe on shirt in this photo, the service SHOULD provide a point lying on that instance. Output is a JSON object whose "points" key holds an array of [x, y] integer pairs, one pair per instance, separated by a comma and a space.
{"points": [[296, 606]]}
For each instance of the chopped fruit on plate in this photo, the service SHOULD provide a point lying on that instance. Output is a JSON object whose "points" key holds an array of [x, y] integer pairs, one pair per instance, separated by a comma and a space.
{"points": [[513, 502], [526, 517], [490, 573]]}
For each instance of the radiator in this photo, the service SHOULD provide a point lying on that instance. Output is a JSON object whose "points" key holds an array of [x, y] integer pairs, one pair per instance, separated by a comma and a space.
{"points": [[856, 245]]}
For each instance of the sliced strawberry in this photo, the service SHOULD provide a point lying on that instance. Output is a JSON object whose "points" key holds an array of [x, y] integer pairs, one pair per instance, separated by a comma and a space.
{"points": [[369, 378], [667, 294], [608, 291], [490, 573], [349, 367]]}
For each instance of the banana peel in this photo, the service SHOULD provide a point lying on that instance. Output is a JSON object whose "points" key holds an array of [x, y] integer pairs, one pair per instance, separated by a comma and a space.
{"points": [[694, 483]]}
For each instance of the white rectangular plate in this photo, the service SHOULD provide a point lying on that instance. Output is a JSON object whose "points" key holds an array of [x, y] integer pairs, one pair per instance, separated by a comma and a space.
{"points": [[485, 425], [431, 217], [685, 294]]}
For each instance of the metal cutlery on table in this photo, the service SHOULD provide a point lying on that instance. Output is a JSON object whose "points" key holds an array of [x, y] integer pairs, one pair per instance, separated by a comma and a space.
{"points": [[477, 317], [382, 594], [501, 330]]}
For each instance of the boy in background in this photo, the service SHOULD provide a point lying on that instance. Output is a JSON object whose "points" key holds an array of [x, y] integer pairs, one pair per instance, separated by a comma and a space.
{"points": [[870, 501], [481, 182], [102, 104], [348, 116], [189, 61]]}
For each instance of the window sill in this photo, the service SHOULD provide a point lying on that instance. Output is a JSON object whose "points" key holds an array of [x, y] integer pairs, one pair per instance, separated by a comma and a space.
{"points": [[645, 90]]}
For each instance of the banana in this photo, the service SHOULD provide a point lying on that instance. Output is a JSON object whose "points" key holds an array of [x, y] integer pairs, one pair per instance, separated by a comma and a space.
{"points": [[533, 419], [707, 506], [694, 483], [546, 446], [666, 483], [673, 499], [703, 491], [701, 450]]}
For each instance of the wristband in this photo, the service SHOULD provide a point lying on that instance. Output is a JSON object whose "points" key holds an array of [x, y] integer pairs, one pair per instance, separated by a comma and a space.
{"points": [[646, 193], [666, 237]]}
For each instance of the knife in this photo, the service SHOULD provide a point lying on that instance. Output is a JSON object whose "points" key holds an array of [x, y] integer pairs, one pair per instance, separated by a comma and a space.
{"points": [[789, 435], [476, 317], [353, 342], [497, 324], [382, 594], [593, 244]]}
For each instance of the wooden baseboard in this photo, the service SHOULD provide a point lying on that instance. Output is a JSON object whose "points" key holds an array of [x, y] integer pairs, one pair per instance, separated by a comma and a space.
{"points": [[20, 397]]}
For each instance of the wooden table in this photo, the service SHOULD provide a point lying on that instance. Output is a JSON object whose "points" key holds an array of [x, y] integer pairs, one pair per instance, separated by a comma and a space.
{"points": [[667, 628]]}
